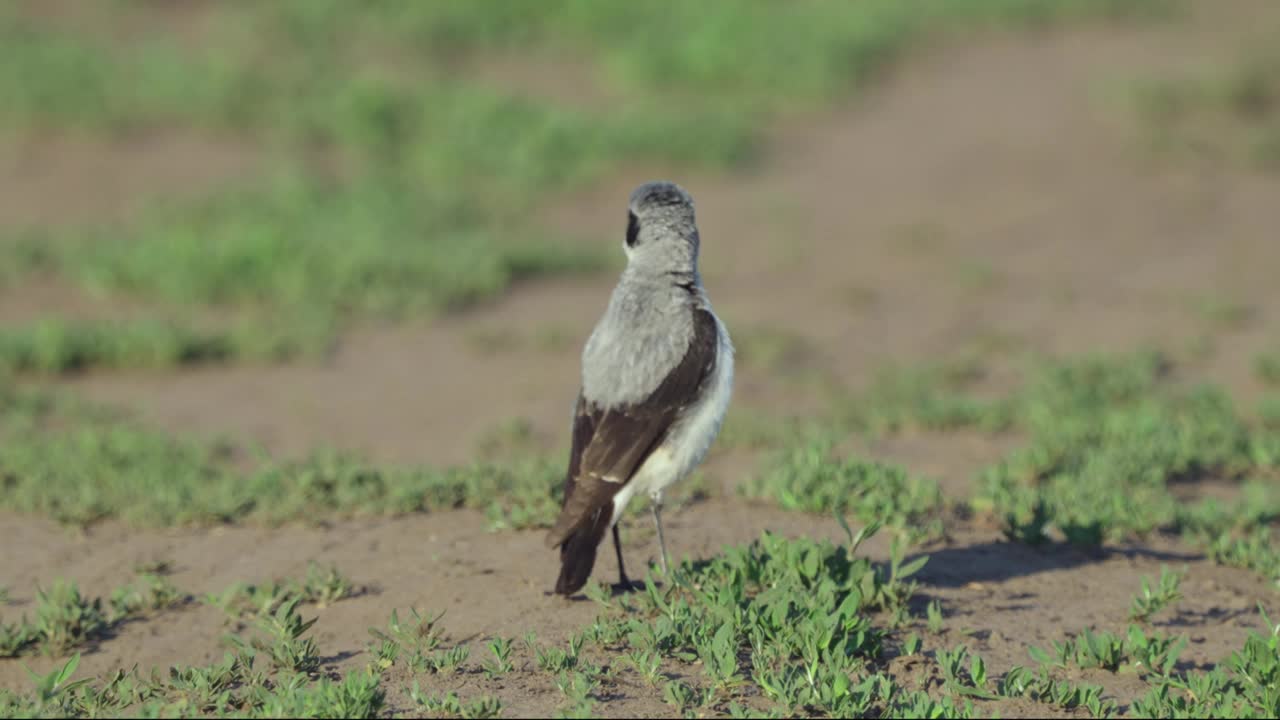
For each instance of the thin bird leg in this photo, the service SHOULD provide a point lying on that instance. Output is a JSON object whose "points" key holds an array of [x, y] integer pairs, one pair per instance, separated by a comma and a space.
{"points": [[622, 573], [662, 543]]}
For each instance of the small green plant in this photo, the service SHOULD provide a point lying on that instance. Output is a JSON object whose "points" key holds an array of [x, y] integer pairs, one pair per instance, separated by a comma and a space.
{"points": [[806, 477], [1267, 367], [971, 682], [385, 654], [284, 644], [933, 614], [15, 638], [65, 619], [911, 645], [680, 696], [151, 592], [1042, 687], [648, 663], [1102, 650], [414, 638], [325, 586], [319, 587], [450, 705], [448, 660], [578, 689], [1149, 601], [1155, 653], [501, 663], [599, 593], [553, 660], [54, 691]]}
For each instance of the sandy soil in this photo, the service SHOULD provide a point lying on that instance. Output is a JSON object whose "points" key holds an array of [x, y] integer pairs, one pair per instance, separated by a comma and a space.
{"points": [[991, 197]]}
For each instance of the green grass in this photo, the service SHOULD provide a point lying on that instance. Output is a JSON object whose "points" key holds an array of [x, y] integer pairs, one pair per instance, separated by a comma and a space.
{"points": [[1109, 448], [65, 619], [1150, 601], [319, 587], [802, 609], [1267, 367], [1108, 440], [807, 477], [78, 465], [391, 183], [1104, 441], [234, 686], [930, 397], [774, 628], [791, 619], [1228, 113], [55, 346]]}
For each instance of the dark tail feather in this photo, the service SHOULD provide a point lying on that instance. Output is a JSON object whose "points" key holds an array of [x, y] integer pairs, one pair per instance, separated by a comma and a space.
{"points": [[578, 552]]}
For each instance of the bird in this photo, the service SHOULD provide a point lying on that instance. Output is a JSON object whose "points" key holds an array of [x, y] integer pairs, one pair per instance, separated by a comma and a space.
{"points": [[657, 377]]}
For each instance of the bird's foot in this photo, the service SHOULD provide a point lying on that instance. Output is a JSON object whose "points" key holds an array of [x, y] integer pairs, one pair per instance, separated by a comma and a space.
{"points": [[626, 585]]}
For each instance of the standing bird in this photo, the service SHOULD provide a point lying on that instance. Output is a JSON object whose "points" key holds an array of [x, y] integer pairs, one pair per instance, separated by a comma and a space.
{"points": [[657, 373]]}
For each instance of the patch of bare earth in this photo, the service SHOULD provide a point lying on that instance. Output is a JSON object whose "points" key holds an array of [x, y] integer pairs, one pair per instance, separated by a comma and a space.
{"points": [[990, 197], [181, 20], [64, 178], [51, 180]]}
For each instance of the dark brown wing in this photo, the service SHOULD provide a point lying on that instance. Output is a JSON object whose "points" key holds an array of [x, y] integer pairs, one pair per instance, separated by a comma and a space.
{"points": [[609, 445]]}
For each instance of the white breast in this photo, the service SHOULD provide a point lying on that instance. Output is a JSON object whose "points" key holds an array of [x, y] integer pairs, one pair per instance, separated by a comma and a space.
{"points": [[690, 438]]}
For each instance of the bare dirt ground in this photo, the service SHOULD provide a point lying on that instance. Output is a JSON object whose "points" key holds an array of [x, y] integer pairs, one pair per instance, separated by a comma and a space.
{"points": [[990, 197]]}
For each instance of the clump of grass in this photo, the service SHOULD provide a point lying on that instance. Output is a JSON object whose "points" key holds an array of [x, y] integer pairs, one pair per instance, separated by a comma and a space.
{"points": [[54, 346], [1106, 443], [1246, 685], [1152, 654], [792, 617], [774, 349], [95, 468], [1042, 687], [319, 587], [1269, 412], [1267, 367], [65, 619], [1152, 601], [414, 639], [961, 680], [931, 397], [450, 705], [933, 617], [230, 687], [1223, 313], [356, 695], [283, 642], [806, 477], [1226, 113], [500, 647]]}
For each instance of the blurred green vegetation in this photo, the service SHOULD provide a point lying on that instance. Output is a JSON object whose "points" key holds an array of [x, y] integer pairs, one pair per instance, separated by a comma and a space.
{"points": [[810, 477], [1108, 448], [78, 463], [1228, 112], [391, 179], [54, 346]]}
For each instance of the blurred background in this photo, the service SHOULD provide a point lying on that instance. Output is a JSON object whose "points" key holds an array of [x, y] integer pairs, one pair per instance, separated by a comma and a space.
{"points": [[390, 226]]}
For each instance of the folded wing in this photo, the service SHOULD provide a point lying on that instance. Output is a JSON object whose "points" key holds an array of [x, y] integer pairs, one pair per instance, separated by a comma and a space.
{"points": [[611, 444]]}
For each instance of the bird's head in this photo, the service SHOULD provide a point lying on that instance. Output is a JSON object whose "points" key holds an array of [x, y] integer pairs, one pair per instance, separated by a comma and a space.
{"points": [[662, 234]]}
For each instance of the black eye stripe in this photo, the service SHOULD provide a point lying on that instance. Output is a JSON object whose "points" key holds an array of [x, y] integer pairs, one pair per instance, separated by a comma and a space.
{"points": [[633, 229]]}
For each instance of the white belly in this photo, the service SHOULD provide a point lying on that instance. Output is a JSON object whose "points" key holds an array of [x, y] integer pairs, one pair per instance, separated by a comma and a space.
{"points": [[690, 438]]}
